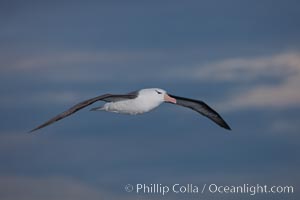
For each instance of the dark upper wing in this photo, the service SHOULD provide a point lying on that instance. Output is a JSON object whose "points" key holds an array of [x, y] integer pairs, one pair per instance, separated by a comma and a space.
{"points": [[75, 108], [201, 108], [114, 98]]}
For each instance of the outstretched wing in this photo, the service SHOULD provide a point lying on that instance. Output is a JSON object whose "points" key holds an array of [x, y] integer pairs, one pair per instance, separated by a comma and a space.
{"points": [[202, 108], [75, 108]]}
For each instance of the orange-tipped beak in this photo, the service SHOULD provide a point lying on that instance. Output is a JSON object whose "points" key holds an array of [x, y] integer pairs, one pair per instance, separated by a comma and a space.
{"points": [[167, 98]]}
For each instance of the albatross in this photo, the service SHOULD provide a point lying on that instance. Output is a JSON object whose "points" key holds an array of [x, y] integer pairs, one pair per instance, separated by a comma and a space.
{"points": [[140, 102]]}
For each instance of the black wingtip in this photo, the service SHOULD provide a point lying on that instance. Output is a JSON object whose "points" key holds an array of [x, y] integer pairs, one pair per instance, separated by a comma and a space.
{"points": [[33, 130], [224, 124], [227, 127], [39, 127]]}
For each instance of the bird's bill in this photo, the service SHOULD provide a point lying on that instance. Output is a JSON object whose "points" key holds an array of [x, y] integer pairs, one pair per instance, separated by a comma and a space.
{"points": [[167, 98]]}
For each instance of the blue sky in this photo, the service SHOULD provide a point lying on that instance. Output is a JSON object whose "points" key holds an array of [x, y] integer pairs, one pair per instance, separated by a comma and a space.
{"points": [[241, 57]]}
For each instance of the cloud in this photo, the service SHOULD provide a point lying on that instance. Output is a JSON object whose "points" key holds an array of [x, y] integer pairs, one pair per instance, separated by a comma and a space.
{"points": [[284, 126], [284, 95], [266, 81], [43, 98], [83, 66], [46, 188], [35, 188], [245, 69], [261, 81], [34, 61]]}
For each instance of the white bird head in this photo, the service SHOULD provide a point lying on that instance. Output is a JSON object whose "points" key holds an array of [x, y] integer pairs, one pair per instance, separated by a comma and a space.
{"points": [[156, 94]]}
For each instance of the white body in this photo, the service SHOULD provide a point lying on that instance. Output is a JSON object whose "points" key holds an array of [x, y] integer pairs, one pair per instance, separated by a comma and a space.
{"points": [[146, 100]]}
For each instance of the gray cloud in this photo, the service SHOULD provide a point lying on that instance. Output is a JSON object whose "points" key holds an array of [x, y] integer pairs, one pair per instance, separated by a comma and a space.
{"points": [[279, 75], [282, 71], [49, 188]]}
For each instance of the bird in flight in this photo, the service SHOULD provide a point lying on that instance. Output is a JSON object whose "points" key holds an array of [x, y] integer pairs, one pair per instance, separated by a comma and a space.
{"points": [[139, 102]]}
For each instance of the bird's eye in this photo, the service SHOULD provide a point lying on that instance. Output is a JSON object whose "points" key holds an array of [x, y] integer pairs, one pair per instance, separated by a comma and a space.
{"points": [[158, 92]]}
